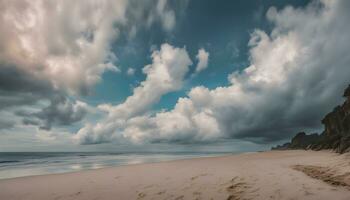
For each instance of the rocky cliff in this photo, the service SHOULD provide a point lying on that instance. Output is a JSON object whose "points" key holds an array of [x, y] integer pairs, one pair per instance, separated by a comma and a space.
{"points": [[299, 141], [336, 134]]}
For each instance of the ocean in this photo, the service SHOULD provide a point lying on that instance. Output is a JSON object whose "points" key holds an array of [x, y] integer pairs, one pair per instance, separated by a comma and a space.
{"points": [[19, 164]]}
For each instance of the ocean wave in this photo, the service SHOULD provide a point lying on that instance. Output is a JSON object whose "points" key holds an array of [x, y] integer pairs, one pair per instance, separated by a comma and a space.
{"points": [[9, 161]]}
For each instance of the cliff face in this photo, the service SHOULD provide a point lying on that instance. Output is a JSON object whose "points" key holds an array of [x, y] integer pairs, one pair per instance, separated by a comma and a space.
{"points": [[336, 134], [299, 141], [303, 141]]}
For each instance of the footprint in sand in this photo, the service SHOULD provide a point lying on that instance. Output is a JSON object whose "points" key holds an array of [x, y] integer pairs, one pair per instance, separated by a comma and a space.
{"points": [[233, 197], [180, 197], [161, 192], [195, 177], [141, 195], [278, 193], [307, 193], [75, 194], [236, 188]]}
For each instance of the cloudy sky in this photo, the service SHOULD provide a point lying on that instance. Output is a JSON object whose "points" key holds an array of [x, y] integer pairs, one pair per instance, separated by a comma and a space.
{"points": [[158, 75]]}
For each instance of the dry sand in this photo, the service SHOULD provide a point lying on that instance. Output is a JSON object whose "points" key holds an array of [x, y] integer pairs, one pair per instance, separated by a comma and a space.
{"points": [[266, 175]]}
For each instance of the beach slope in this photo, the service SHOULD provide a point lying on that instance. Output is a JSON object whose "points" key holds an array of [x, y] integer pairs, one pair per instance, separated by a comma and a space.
{"points": [[294, 174]]}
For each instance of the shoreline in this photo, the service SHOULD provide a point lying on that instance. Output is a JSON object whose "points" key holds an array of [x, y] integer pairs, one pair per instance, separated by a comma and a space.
{"points": [[291, 174], [70, 162], [131, 164]]}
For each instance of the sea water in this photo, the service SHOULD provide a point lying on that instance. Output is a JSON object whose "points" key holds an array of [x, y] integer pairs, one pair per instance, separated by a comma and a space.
{"points": [[19, 164]]}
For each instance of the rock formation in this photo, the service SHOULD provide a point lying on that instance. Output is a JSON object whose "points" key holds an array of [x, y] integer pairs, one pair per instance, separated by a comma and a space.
{"points": [[299, 141], [336, 134], [284, 146]]}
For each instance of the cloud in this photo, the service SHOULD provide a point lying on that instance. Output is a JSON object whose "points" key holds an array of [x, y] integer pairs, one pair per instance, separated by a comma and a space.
{"points": [[296, 74], [6, 124], [154, 12], [130, 71], [60, 111], [167, 16], [45, 136], [66, 43], [62, 48], [202, 58], [165, 74]]}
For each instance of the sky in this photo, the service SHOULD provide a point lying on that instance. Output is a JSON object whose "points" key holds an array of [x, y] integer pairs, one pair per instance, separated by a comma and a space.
{"points": [[158, 75]]}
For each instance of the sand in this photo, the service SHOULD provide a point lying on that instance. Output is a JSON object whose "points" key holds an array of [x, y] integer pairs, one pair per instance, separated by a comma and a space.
{"points": [[263, 175]]}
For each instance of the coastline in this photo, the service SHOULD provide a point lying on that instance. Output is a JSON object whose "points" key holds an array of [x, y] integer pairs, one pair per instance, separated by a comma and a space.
{"points": [[15, 165], [292, 174], [124, 165]]}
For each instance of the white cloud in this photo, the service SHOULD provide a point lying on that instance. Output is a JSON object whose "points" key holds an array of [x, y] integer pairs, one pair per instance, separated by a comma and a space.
{"points": [[62, 48], [164, 75], [130, 71], [64, 42], [68, 43], [295, 76], [167, 16], [202, 58]]}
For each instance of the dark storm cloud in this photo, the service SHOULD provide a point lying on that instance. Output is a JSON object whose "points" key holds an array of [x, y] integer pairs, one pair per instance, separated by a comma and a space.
{"points": [[13, 79], [61, 111], [19, 88], [30, 121]]}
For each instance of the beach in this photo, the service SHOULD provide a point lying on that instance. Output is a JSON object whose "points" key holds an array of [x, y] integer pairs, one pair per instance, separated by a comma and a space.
{"points": [[292, 174]]}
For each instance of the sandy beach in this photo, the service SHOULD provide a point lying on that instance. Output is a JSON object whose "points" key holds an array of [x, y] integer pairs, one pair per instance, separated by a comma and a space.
{"points": [[290, 175]]}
